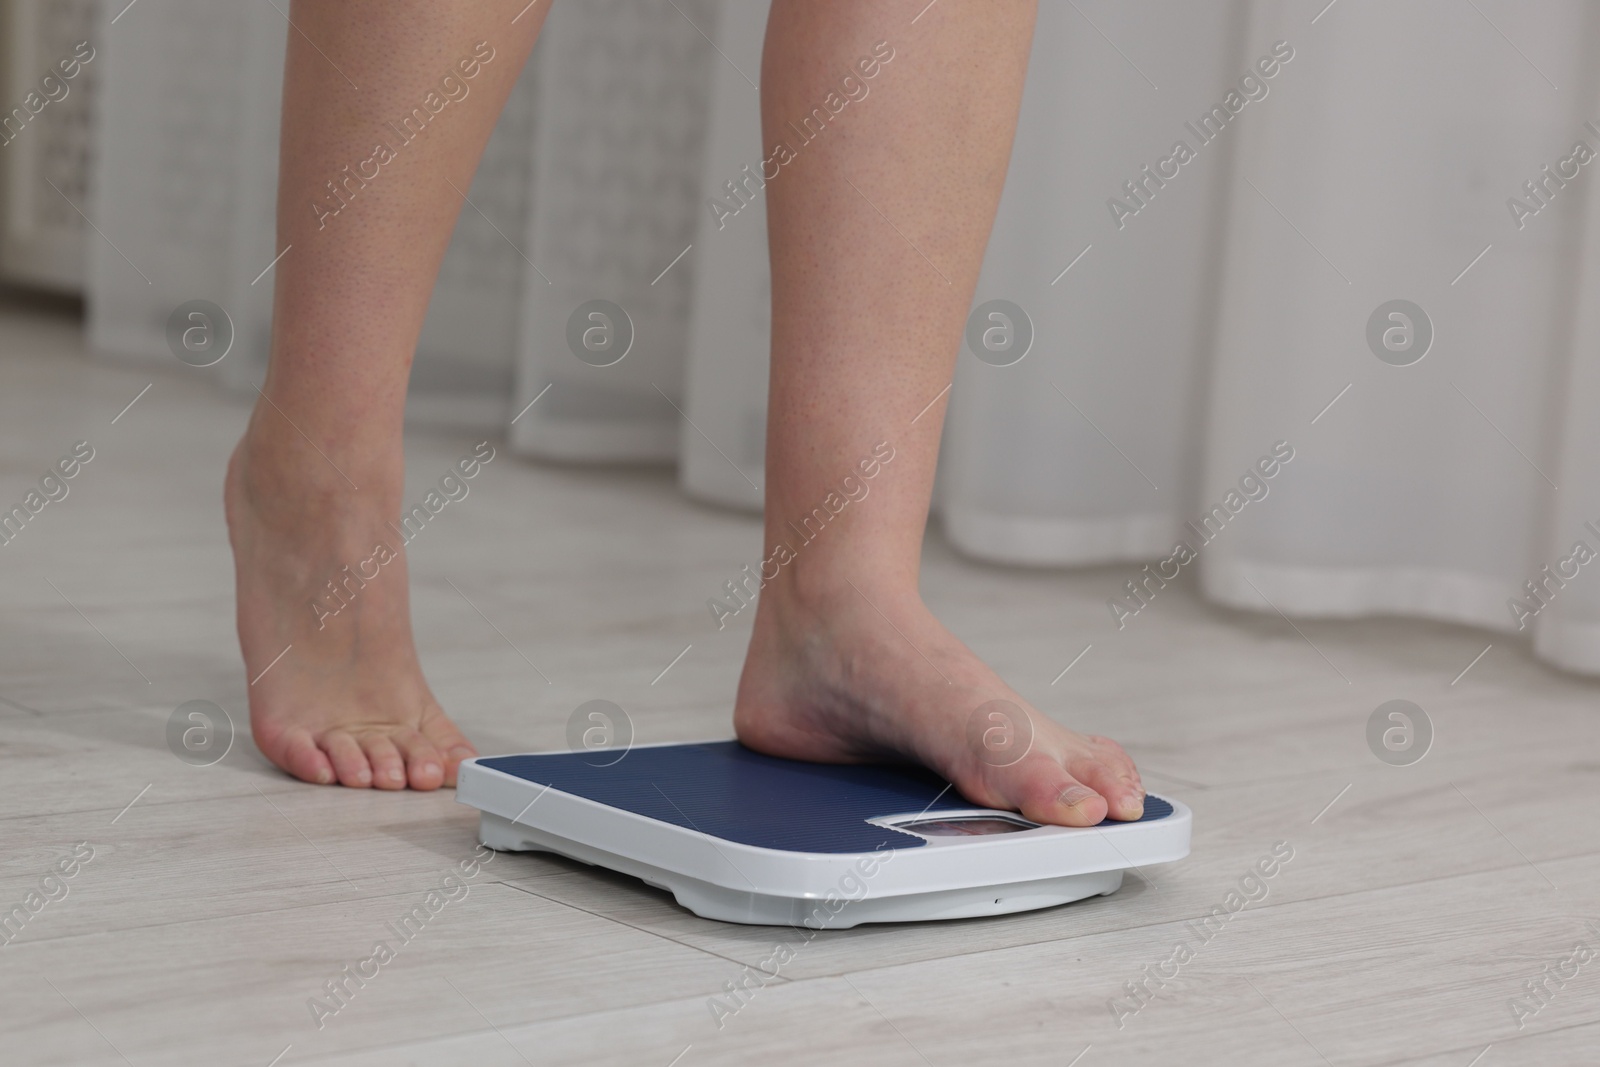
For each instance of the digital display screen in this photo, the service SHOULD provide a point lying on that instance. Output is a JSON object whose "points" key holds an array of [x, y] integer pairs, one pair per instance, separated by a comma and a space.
{"points": [[976, 827]]}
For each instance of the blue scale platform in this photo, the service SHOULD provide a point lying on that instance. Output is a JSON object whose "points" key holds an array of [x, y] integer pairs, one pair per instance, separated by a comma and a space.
{"points": [[730, 792]]}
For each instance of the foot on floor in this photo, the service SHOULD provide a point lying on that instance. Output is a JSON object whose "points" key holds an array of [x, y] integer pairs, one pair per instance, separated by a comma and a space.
{"points": [[347, 701]]}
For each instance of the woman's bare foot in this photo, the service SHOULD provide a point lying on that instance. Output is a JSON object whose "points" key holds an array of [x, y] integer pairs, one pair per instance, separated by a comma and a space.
{"points": [[347, 701], [840, 678]]}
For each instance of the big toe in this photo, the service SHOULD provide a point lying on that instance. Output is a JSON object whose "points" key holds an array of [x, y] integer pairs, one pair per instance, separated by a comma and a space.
{"points": [[424, 765], [1042, 790], [450, 743]]}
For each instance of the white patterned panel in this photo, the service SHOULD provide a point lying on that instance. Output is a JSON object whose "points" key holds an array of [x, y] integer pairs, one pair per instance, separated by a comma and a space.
{"points": [[253, 235], [725, 387], [617, 158], [42, 239], [164, 177]]}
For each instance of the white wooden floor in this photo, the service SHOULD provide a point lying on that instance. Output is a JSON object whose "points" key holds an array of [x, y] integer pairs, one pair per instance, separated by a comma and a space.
{"points": [[219, 900]]}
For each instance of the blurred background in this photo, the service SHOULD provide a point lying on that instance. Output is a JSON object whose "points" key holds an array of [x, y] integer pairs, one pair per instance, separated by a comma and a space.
{"points": [[1177, 329]]}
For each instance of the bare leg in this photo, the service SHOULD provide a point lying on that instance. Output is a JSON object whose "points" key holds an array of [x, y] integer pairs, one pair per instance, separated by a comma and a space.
{"points": [[317, 479], [845, 662]]}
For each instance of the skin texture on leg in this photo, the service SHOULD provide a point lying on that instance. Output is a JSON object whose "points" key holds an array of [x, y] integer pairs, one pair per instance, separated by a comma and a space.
{"points": [[877, 229], [387, 104]]}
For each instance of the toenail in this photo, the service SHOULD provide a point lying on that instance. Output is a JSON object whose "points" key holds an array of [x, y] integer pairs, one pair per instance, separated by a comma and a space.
{"points": [[1072, 796], [432, 768], [461, 752], [394, 774]]}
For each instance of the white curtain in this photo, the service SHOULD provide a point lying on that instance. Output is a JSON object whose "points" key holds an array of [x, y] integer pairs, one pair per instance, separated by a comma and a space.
{"points": [[1176, 347], [1427, 489]]}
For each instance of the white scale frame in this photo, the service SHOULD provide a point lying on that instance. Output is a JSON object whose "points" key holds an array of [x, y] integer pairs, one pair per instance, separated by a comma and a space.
{"points": [[946, 878]]}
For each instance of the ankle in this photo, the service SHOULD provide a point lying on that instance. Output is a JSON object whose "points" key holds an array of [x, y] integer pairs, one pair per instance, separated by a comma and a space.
{"points": [[288, 483], [821, 589]]}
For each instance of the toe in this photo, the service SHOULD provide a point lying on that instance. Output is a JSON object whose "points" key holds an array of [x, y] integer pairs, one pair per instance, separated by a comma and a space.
{"points": [[1123, 795], [424, 764], [450, 743], [1113, 755], [453, 760], [1078, 805], [349, 762], [1050, 795], [300, 756], [388, 766]]}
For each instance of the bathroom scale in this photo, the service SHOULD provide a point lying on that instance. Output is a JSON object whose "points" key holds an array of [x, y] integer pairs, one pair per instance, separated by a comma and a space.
{"points": [[744, 837]]}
